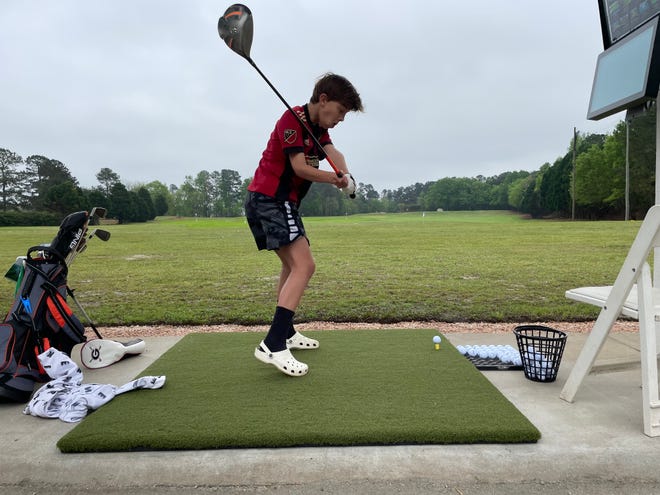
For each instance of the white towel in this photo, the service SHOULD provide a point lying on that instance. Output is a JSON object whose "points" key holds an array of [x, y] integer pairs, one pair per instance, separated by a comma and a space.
{"points": [[67, 398]]}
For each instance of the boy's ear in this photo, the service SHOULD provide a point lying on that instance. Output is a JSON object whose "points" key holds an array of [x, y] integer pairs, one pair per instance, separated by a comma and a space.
{"points": [[323, 98]]}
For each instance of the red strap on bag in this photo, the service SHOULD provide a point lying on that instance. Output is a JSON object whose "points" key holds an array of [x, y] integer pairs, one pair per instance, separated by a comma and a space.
{"points": [[46, 345], [54, 310]]}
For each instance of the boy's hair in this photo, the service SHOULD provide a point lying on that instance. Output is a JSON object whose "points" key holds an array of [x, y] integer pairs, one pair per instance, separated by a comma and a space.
{"points": [[337, 88]]}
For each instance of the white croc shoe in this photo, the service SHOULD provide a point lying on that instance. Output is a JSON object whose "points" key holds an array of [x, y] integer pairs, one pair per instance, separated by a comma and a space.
{"points": [[299, 341], [282, 360]]}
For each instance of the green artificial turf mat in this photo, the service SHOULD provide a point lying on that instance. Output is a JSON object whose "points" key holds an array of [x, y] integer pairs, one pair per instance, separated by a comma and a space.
{"points": [[365, 387]]}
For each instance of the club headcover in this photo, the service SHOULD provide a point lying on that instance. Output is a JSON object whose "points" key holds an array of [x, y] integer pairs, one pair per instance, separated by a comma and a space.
{"points": [[71, 233], [99, 353]]}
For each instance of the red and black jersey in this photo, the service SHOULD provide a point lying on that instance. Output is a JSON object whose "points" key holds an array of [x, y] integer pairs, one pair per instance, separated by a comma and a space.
{"points": [[274, 176]]}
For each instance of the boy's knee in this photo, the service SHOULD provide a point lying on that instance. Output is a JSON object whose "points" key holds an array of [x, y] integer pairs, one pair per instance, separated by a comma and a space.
{"points": [[303, 269], [310, 268]]}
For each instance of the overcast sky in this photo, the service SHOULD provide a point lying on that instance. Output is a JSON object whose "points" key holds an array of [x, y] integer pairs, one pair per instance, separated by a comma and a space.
{"points": [[148, 88]]}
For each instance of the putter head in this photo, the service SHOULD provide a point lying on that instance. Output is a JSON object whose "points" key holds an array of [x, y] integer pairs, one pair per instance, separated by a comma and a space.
{"points": [[235, 27]]}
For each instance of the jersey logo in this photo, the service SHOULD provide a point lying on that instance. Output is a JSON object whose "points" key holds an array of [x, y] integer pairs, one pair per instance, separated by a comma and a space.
{"points": [[290, 136]]}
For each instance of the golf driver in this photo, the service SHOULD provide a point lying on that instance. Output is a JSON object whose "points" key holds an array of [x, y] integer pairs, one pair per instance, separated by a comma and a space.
{"points": [[236, 29]]}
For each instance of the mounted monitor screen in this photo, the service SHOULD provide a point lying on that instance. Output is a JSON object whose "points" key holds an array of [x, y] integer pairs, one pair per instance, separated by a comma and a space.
{"points": [[626, 73], [620, 17]]}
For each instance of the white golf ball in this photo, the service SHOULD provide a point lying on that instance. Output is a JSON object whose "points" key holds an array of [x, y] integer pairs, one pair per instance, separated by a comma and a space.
{"points": [[437, 339]]}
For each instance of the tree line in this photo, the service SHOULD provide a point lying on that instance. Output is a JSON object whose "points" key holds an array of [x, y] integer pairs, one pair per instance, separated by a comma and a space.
{"points": [[588, 181], [39, 190]]}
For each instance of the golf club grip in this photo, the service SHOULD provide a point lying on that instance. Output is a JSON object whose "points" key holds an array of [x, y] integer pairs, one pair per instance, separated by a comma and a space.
{"points": [[302, 123], [334, 167]]}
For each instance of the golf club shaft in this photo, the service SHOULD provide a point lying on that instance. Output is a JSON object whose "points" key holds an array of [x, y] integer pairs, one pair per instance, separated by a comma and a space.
{"points": [[302, 123], [82, 310]]}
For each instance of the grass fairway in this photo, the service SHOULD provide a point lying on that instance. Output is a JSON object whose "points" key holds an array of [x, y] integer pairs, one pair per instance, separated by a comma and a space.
{"points": [[445, 266]]}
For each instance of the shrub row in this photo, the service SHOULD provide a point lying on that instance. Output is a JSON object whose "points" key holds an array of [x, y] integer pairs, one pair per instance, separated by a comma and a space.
{"points": [[28, 218]]}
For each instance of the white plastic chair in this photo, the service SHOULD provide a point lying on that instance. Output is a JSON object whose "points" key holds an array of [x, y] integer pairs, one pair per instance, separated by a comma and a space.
{"points": [[634, 295]]}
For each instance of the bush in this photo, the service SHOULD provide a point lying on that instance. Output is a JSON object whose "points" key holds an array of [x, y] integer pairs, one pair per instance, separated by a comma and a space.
{"points": [[28, 218]]}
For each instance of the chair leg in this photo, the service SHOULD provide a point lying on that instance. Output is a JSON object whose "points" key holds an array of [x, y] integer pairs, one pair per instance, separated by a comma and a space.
{"points": [[649, 356]]}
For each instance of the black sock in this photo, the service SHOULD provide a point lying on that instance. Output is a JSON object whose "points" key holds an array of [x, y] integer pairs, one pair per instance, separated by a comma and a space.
{"points": [[291, 332], [282, 322]]}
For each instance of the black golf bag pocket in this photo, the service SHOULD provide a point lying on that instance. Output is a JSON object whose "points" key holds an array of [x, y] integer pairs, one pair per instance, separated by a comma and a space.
{"points": [[7, 341], [19, 367]]}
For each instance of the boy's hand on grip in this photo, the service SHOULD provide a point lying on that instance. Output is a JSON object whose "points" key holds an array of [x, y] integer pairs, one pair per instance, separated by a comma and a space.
{"points": [[350, 188]]}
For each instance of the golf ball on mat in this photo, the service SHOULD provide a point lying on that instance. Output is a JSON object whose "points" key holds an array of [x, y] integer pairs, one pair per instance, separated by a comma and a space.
{"points": [[437, 339]]}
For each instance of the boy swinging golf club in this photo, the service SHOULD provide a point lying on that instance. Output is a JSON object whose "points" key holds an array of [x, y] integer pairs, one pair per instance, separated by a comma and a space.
{"points": [[288, 166]]}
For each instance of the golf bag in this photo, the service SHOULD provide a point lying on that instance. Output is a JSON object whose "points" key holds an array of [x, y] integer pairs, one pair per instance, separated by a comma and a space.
{"points": [[40, 317]]}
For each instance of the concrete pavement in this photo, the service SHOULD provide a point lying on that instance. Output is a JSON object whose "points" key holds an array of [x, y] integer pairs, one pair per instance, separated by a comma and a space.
{"points": [[594, 445]]}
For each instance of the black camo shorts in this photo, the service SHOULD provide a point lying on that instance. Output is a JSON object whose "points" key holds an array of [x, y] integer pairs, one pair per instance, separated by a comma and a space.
{"points": [[273, 223]]}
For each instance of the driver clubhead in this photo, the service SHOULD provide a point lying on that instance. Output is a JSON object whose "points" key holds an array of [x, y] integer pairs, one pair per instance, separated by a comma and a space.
{"points": [[236, 28]]}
